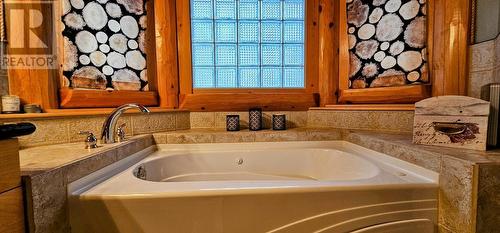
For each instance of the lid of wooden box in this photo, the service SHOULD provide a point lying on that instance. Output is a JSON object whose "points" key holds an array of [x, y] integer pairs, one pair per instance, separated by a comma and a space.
{"points": [[452, 105]]}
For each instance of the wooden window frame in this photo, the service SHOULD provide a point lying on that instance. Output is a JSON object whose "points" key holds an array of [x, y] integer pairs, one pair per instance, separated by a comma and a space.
{"points": [[239, 99], [326, 70], [78, 98], [448, 27]]}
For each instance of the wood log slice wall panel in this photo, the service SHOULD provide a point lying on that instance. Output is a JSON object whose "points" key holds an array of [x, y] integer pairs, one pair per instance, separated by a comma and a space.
{"points": [[104, 44], [387, 43]]}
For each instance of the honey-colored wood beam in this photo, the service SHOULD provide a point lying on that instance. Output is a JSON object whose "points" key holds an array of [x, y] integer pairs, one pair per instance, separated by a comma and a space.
{"points": [[32, 85], [167, 71], [386, 95], [244, 101], [73, 98], [450, 31], [327, 52]]}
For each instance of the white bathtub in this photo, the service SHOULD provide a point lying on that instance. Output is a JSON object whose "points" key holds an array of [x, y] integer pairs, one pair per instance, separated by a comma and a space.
{"points": [[257, 187]]}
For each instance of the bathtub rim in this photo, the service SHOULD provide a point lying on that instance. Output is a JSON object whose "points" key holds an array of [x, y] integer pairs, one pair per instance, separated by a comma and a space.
{"points": [[81, 186]]}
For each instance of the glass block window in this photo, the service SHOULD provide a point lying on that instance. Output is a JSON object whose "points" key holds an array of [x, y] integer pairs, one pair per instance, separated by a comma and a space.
{"points": [[248, 43]]}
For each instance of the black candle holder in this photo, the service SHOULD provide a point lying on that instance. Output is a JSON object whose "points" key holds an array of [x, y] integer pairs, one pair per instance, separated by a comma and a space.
{"points": [[255, 119], [279, 122], [233, 123]]}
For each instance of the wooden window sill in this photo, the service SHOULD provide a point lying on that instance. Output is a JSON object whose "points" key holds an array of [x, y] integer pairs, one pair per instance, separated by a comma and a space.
{"points": [[367, 107], [50, 113]]}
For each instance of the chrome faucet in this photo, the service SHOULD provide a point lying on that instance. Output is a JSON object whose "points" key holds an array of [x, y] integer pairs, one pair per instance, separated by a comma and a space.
{"points": [[109, 128]]}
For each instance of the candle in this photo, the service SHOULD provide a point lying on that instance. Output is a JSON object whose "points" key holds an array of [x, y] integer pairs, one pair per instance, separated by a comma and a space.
{"points": [[255, 119], [233, 123], [11, 104], [279, 122]]}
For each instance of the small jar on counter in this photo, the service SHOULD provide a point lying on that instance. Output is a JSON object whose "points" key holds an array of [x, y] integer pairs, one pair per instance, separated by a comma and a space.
{"points": [[32, 108], [11, 104]]}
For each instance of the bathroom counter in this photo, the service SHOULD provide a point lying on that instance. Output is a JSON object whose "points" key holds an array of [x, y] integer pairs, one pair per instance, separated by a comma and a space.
{"points": [[467, 178]]}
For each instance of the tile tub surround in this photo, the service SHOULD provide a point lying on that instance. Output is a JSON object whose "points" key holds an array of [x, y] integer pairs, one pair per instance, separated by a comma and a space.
{"points": [[488, 203], [206, 120], [459, 171], [59, 130], [396, 121], [485, 66], [47, 171]]}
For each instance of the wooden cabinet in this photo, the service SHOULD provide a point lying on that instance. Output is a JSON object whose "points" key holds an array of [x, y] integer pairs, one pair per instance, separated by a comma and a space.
{"points": [[11, 194]]}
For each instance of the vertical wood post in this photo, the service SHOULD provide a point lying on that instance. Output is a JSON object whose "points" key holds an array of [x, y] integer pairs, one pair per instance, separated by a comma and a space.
{"points": [[167, 72], [327, 53], [450, 21], [32, 85]]}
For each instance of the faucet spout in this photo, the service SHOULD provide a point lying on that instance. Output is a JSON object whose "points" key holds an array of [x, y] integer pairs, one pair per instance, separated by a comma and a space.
{"points": [[108, 133]]}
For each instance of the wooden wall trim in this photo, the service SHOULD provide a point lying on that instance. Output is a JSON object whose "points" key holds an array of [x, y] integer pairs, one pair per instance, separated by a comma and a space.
{"points": [[450, 22], [167, 70], [75, 98], [311, 46], [184, 48], [327, 51], [343, 45], [368, 107], [386, 95], [244, 101]]}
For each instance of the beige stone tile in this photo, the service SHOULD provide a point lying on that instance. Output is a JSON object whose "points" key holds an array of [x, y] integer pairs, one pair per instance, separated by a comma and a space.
{"points": [[234, 137], [277, 136], [89, 165], [202, 120], [488, 203], [392, 121], [364, 120], [323, 134], [323, 119], [189, 138], [49, 202], [357, 119], [483, 56], [455, 195], [398, 146], [153, 122], [160, 138], [298, 119], [134, 145], [92, 124], [478, 79], [50, 131], [182, 120]]}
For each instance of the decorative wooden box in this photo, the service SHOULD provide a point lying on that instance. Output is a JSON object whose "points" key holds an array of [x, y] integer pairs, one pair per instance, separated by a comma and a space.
{"points": [[452, 121]]}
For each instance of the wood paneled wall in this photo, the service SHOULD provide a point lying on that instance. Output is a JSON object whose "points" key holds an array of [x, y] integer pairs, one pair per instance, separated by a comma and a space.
{"points": [[327, 58]]}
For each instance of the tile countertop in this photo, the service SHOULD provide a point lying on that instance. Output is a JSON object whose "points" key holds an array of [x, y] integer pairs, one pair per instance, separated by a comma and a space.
{"points": [[44, 158], [36, 160]]}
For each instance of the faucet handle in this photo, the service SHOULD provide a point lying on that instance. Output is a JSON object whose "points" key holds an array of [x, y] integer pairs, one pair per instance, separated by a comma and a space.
{"points": [[90, 141], [120, 132]]}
